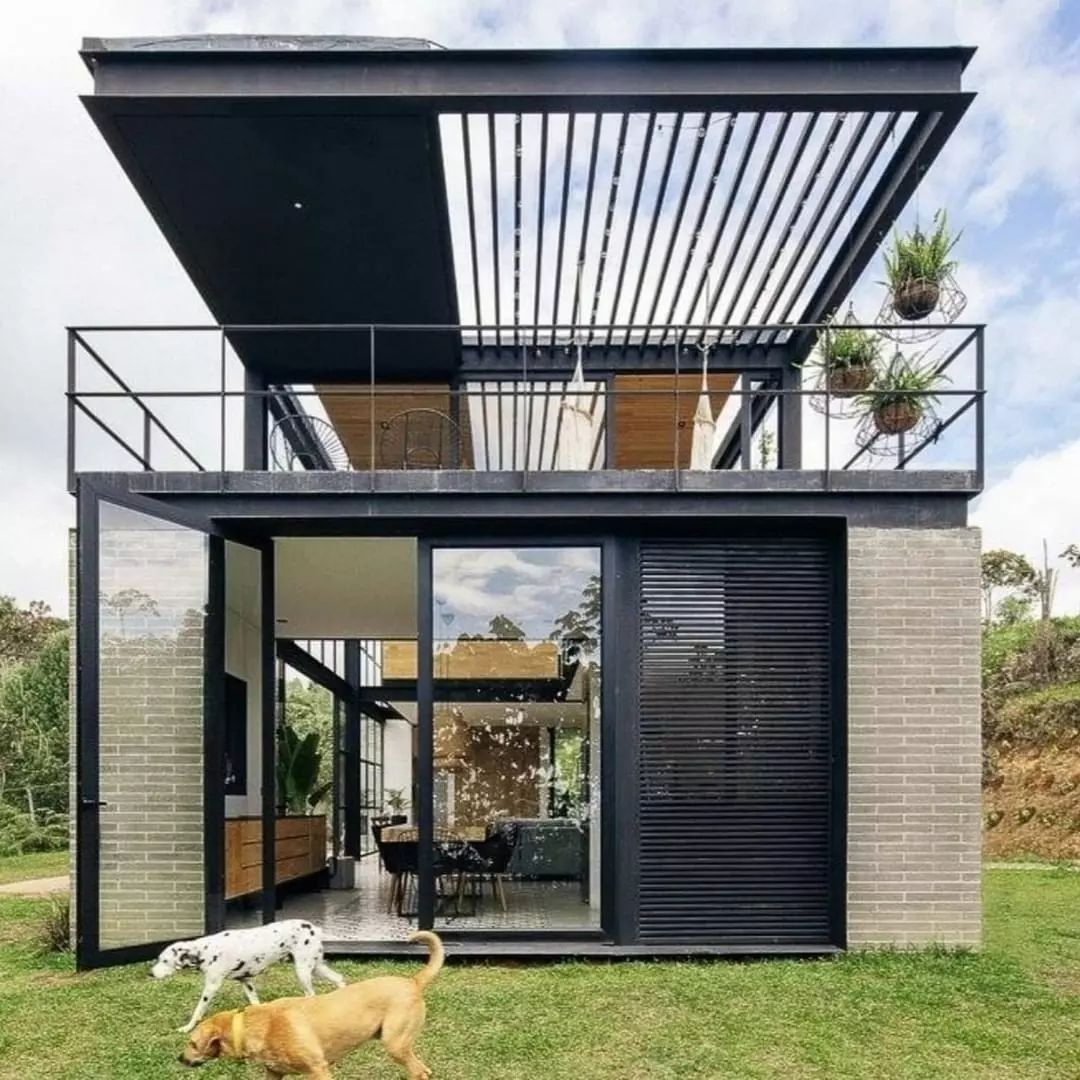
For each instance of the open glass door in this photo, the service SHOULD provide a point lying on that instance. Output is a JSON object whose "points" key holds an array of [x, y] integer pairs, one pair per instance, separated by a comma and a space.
{"points": [[150, 649]]}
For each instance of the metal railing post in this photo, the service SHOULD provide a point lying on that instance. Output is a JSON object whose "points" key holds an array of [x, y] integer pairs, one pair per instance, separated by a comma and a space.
{"points": [[71, 411], [746, 434], [678, 479], [224, 403], [146, 428], [828, 416], [371, 402], [980, 409]]}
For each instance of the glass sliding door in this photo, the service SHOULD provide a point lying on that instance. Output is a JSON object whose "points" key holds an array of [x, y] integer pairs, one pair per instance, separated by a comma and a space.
{"points": [[516, 737]]}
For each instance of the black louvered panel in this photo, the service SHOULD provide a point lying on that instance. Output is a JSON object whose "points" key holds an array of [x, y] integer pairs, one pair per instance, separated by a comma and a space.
{"points": [[735, 741]]}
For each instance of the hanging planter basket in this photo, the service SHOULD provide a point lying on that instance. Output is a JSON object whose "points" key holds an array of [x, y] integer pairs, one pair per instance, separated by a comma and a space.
{"points": [[897, 417], [845, 364], [847, 381], [886, 432], [948, 305], [916, 299]]}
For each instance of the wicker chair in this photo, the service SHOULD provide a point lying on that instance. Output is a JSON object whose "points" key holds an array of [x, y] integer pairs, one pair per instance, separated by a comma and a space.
{"points": [[419, 439]]}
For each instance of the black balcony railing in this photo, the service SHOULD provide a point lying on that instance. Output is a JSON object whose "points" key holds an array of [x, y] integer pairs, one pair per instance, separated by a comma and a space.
{"points": [[378, 398]]}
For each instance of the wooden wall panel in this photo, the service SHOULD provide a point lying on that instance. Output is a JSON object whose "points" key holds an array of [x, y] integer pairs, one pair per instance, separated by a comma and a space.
{"points": [[500, 777], [351, 416], [645, 420]]}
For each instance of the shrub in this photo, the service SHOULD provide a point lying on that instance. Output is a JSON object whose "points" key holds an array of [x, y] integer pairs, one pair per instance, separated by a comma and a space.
{"points": [[56, 926], [20, 834]]}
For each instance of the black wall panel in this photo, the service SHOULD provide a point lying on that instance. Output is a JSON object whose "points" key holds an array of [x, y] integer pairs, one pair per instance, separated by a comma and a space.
{"points": [[735, 743]]}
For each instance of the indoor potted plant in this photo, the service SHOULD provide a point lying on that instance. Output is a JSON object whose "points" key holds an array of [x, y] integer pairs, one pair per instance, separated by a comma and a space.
{"points": [[396, 806], [916, 265], [848, 355], [900, 395], [298, 763]]}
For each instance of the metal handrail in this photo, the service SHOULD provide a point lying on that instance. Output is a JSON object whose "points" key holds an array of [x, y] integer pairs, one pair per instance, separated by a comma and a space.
{"points": [[487, 384]]}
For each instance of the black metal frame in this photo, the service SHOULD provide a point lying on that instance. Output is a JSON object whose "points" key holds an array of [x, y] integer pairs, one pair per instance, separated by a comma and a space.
{"points": [[781, 388], [88, 802], [425, 697], [617, 540]]}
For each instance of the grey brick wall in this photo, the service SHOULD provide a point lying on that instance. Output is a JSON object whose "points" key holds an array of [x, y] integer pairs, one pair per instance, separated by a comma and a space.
{"points": [[153, 593], [913, 737]]}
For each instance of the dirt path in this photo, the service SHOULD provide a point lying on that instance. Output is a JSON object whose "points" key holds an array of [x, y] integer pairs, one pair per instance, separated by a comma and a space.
{"points": [[37, 887]]}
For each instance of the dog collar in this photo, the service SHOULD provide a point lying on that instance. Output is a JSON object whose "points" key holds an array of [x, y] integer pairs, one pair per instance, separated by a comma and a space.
{"points": [[237, 1033]]}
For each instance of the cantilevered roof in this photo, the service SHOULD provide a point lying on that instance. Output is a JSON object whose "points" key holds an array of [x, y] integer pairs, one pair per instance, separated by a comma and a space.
{"points": [[357, 180]]}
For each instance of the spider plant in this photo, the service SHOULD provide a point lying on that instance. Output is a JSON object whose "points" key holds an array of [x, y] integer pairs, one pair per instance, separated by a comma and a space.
{"points": [[848, 356], [916, 265], [900, 395]]}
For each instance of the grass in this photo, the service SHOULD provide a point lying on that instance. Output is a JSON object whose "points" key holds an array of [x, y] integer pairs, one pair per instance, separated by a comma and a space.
{"points": [[39, 864], [1012, 1010]]}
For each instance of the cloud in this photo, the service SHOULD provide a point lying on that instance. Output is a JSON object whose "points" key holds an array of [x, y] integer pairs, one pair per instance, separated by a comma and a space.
{"points": [[1038, 500], [79, 247]]}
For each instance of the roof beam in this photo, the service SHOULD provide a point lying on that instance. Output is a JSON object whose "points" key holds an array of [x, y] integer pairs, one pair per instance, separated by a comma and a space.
{"points": [[594, 80], [598, 359]]}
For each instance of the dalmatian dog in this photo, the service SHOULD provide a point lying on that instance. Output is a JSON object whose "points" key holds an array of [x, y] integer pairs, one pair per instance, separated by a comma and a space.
{"points": [[243, 954]]}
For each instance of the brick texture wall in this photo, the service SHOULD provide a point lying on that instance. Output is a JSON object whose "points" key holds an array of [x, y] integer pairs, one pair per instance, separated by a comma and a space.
{"points": [[914, 741], [153, 593]]}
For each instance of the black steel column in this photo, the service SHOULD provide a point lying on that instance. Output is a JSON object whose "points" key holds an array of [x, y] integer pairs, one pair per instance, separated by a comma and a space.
{"points": [[255, 422], [352, 802], [789, 426], [214, 739], [425, 751], [268, 685]]}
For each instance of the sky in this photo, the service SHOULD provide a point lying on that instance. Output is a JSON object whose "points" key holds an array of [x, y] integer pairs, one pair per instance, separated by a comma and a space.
{"points": [[79, 247]]}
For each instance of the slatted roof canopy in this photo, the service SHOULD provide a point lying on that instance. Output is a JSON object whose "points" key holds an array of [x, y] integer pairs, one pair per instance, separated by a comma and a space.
{"points": [[666, 222], [398, 183]]}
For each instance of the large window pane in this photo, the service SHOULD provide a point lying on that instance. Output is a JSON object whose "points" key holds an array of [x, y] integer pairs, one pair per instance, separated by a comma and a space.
{"points": [[153, 595], [517, 737]]}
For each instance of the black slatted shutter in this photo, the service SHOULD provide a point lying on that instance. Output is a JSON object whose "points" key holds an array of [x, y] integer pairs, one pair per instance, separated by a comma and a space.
{"points": [[735, 743]]}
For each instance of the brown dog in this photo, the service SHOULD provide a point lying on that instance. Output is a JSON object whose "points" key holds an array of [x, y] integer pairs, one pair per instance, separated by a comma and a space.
{"points": [[307, 1035]]}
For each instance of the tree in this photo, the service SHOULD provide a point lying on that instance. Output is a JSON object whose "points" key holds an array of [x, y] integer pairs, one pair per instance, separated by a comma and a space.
{"points": [[1043, 585], [1013, 609], [1002, 569], [309, 709], [505, 629], [34, 729], [582, 624], [23, 631]]}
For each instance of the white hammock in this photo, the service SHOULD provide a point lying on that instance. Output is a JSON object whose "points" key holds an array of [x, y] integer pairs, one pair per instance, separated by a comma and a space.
{"points": [[704, 432], [577, 428]]}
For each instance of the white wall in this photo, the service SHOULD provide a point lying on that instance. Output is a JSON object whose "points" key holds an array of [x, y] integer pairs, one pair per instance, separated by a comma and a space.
{"points": [[397, 761], [242, 658]]}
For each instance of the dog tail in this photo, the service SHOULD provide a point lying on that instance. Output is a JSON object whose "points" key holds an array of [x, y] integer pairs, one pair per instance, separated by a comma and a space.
{"points": [[436, 957]]}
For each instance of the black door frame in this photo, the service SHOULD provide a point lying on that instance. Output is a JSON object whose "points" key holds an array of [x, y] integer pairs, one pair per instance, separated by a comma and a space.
{"points": [[613, 791], [88, 803]]}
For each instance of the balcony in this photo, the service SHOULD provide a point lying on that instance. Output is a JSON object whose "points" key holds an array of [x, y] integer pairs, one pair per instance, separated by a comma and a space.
{"points": [[728, 407]]}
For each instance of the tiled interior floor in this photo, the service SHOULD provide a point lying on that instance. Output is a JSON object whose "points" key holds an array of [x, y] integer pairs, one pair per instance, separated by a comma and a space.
{"points": [[361, 914]]}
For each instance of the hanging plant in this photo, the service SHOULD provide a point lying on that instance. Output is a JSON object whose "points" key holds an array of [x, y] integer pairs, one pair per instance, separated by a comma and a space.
{"points": [[901, 395], [848, 356], [917, 266]]}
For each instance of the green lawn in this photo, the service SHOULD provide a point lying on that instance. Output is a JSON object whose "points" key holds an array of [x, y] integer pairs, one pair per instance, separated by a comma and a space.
{"points": [[1011, 1011], [41, 864]]}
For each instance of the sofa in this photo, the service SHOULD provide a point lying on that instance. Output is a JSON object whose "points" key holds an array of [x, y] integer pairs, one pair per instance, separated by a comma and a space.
{"points": [[548, 848]]}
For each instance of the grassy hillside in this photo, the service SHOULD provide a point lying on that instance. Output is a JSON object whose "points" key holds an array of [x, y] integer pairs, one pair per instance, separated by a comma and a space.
{"points": [[1031, 740]]}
